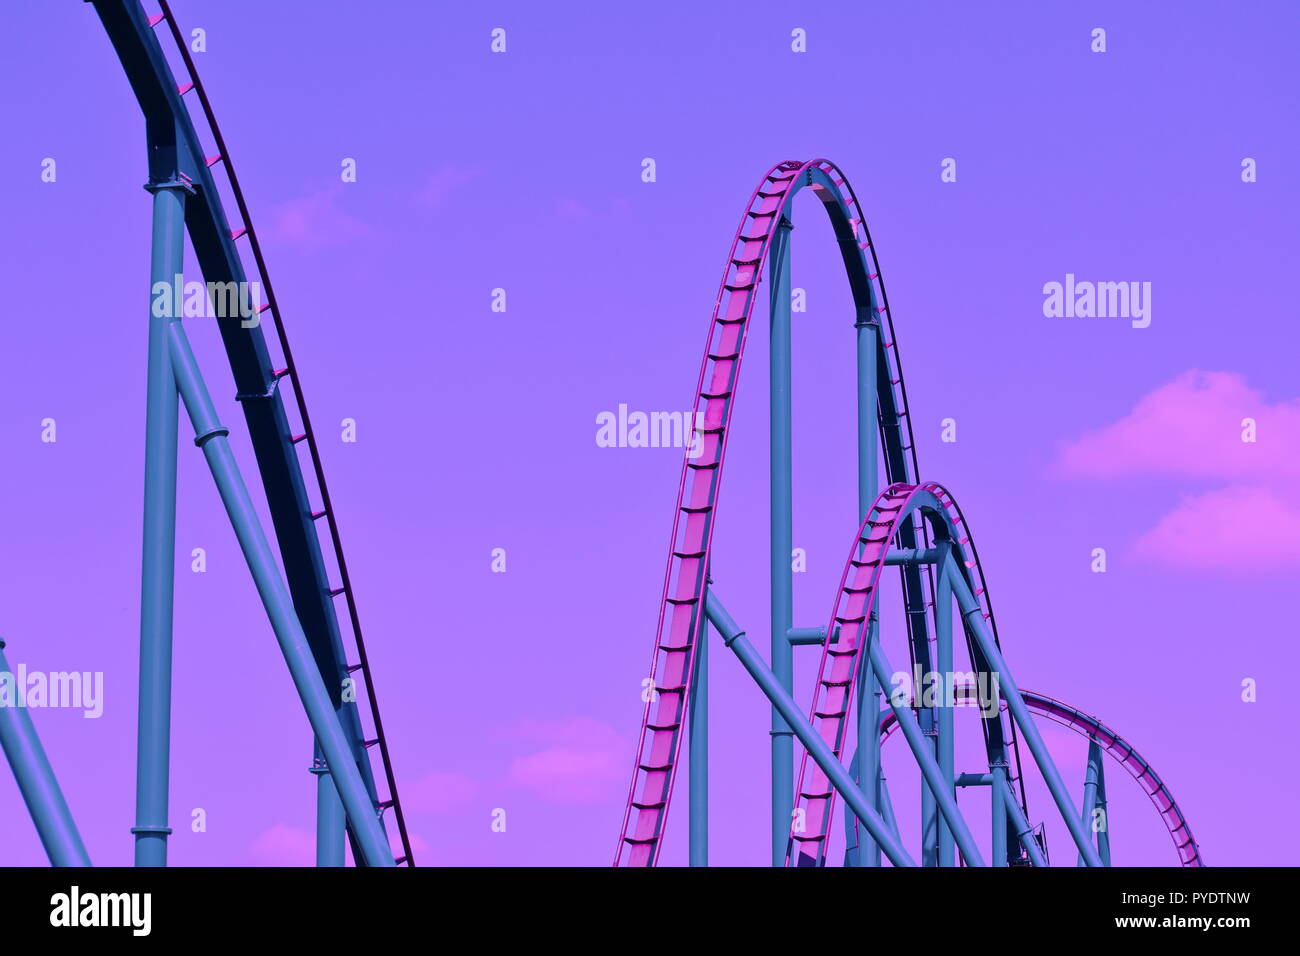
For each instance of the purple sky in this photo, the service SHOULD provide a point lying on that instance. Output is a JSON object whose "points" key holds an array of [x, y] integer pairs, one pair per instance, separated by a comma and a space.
{"points": [[476, 429]]}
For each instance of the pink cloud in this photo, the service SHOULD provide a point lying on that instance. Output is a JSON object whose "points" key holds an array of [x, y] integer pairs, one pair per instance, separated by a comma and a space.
{"points": [[583, 761], [318, 219], [571, 208], [439, 792], [1238, 528], [1192, 427], [442, 183], [283, 845]]}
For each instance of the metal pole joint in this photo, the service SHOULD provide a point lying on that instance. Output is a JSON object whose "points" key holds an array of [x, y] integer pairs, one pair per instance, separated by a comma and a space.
{"points": [[204, 437], [181, 182]]}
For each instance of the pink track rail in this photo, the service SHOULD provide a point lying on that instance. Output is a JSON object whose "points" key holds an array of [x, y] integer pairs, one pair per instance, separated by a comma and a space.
{"points": [[681, 617], [685, 579], [1180, 831], [837, 672]]}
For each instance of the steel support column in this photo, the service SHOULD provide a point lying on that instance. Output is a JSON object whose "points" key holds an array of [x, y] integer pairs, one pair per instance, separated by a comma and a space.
{"points": [[158, 562], [923, 752], [867, 332], [782, 507], [944, 669], [1091, 792], [817, 748], [331, 821], [999, 799], [974, 616], [869, 744], [1103, 835], [698, 729], [211, 437]]}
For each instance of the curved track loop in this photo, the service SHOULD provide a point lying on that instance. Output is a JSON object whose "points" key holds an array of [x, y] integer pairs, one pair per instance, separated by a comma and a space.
{"points": [[855, 603], [290, 374], [1122, 751], [838, 670], [973, 571], [680, 618]]}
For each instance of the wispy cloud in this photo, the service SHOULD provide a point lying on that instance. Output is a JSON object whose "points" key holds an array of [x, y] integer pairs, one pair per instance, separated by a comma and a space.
{"points": [[443, 183], [1192, 429], [283, 845], [440, 792], [580, 761], [319, 218], [1240, 528]]}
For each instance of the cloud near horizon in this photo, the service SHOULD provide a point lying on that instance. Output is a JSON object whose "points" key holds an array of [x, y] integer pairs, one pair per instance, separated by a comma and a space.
{"points": [[1192, 428], [1239, 528], [284, 845], [318, 218], [440, 792], [583, 760]]}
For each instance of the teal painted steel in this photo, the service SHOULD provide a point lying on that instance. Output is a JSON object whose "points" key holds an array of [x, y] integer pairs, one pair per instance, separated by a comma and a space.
{"points": [[999, 810], [1024, 832], [158, 561], [212, 438], [944, 665], [174, 144], [1091, 784], [923, 753], [973, 616], [37, 784], [882, 409], [867, 770], [331, 820], [868, 423], [817, 749], [1103, 835], [698, 717], [782, 518]]}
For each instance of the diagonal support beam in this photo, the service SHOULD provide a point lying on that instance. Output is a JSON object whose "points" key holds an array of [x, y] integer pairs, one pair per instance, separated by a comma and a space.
{"points": [[1024, 832], [36, 780], [973, 614], [923, 753], [817, 748], [211, 436]]}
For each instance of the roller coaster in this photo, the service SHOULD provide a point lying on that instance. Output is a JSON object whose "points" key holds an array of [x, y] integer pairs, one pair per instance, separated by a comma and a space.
{"points": [[329, 666], [911, 524]]}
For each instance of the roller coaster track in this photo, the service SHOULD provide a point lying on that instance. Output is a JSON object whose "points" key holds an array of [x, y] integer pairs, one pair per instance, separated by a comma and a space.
{"points": [[854, 607], [681, 605], [681, 620], [260, 385], [1180, 831], [838, 670]]}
